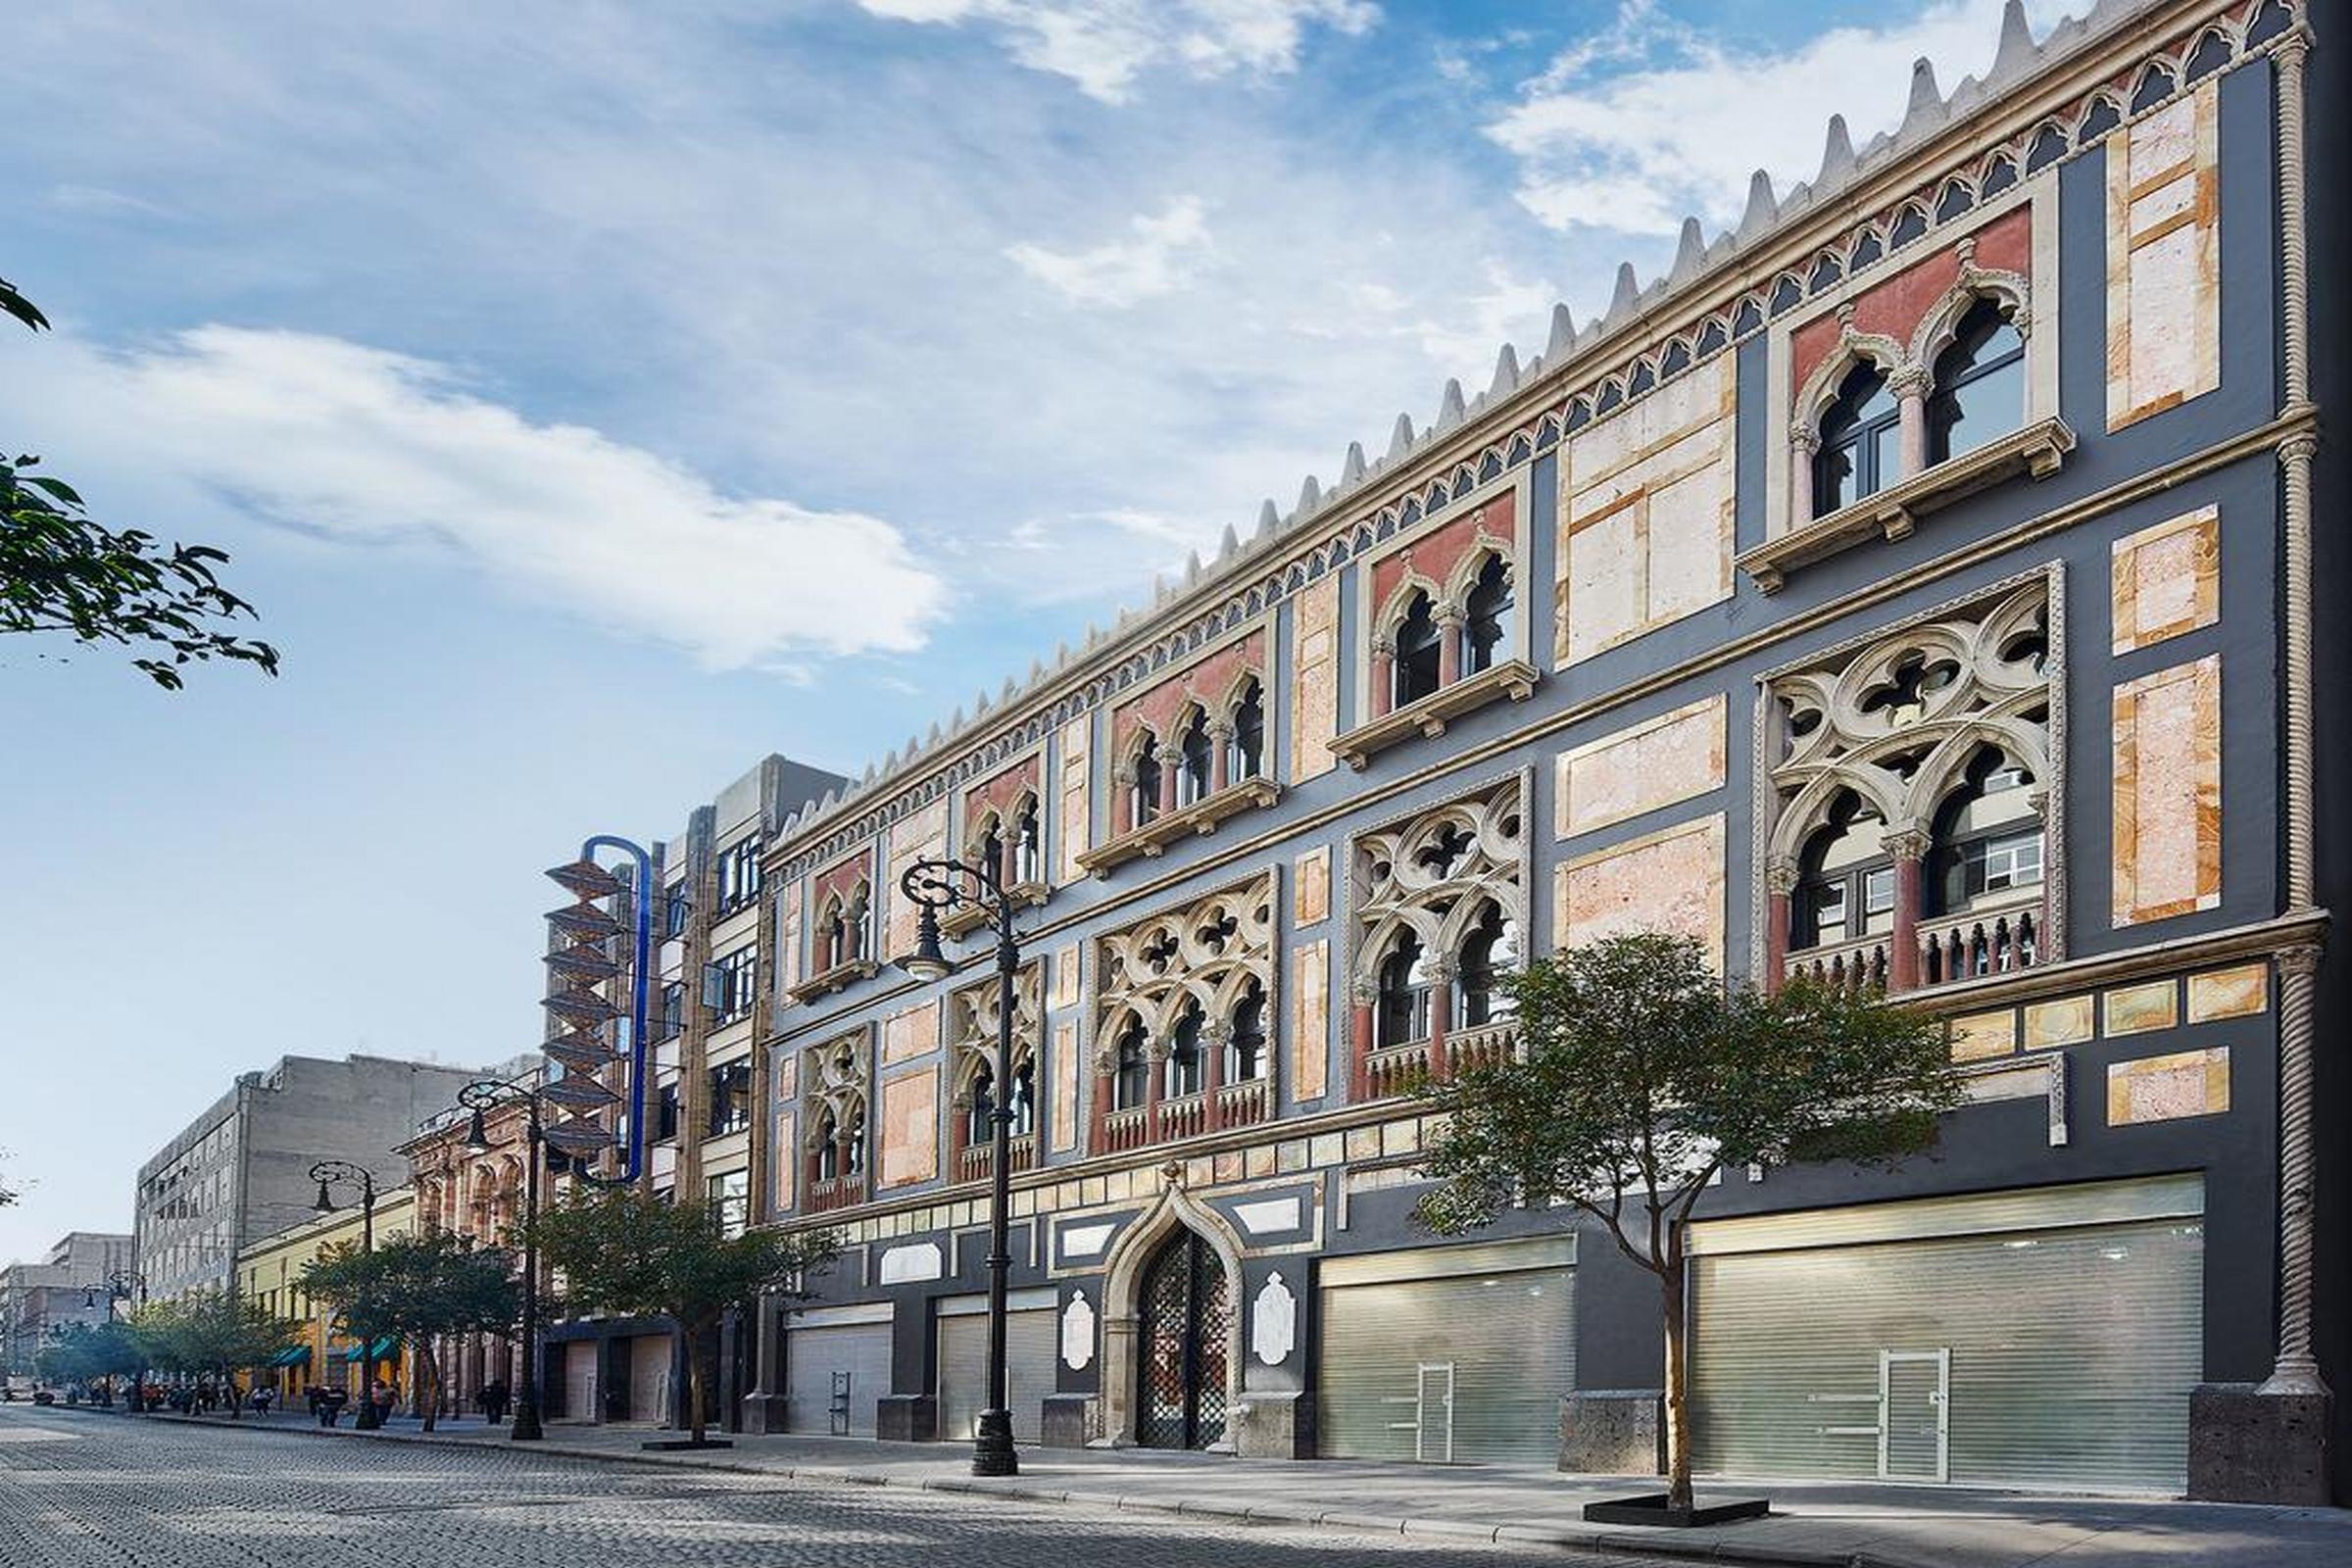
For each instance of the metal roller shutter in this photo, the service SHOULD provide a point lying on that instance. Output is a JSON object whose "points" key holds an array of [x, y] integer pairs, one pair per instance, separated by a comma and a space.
{"points": [[2043, 1353], [859, 1353], [1031, 1343], [648, 1377], [579, 1380], [1465, 1366]]}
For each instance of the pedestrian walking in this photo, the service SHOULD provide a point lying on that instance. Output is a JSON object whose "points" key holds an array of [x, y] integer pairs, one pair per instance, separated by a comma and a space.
{"points": [[263, 1398], [384, 1396], [493, 1400], [331, 1406]]}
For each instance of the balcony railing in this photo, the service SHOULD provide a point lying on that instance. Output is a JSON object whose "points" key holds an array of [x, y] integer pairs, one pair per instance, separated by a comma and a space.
{"points": [[1246, 1104], [1126, 1128], [1482, 1047], [1395, 1069], [1981, 941], [974, 1162], [835, 1192], [1184, 1116]]}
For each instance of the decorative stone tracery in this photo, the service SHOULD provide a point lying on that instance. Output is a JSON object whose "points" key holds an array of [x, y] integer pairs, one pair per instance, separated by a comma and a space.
{"points": [[834, 1078], [1205, 963], [972, 1019], [1880, 735]]}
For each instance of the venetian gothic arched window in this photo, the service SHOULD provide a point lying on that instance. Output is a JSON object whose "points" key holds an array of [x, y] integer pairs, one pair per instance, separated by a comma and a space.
{"points": [[1028, 844], [1173, 991], [1861, 441], [1490, 951], [1187, 1065], [1401, 1013], [974, 1093], [1977, 384], [1131, 1073], [1417, 651], [1196, 760], [1487, 617], [1246, 1039], [1246, 747], [1142, 793]]}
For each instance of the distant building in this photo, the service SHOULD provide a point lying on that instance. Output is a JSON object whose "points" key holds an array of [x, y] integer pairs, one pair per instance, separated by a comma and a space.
{"points": [[270, 1273], [241, 1170], [36, 1300]]}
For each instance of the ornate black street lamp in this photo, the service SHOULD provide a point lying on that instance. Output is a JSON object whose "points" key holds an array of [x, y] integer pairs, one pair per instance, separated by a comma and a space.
{"points": [[938, 885], [121, 1285], [479, 1097], [343, 1173]]}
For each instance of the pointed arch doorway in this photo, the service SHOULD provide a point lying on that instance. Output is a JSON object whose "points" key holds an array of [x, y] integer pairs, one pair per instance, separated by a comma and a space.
{"points": [[1186, 1323]]}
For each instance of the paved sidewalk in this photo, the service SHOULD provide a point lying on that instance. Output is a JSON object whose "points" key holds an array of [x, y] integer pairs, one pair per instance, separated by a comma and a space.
{"points": [[1814, 1525]]}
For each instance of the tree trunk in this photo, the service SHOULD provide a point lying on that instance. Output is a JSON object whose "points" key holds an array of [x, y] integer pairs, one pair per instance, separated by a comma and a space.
{"points": [[694, 1381], [428, 1368], [1678, 1381]]}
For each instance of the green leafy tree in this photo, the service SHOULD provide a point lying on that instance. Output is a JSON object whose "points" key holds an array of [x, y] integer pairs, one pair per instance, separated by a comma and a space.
{"points": [[1642, 1076], [62, 570], [214, 1333], [90, 1353], [632, 1253], [419, 1289]]}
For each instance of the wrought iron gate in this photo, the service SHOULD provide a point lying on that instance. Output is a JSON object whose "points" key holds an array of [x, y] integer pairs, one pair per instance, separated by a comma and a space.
{"points": [[1188, 1321]]}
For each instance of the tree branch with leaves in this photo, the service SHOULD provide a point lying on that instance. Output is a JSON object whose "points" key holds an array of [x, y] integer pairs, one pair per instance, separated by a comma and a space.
{"points": [[632, 1253], [64, 571], [420, 1289], [1642, 1076]]}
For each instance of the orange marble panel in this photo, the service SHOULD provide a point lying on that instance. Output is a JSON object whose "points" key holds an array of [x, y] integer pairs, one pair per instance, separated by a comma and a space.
{"points": [[1070, 827], [1664, 759], [1310, 897], [911, 1034], [1670, 881], [1065, 1087], [1314, 677], [1310, 1019], [2187, 1082], [2164, 264], [2167, 579], [2238, 993], [2168, 793], [911, 1127]]}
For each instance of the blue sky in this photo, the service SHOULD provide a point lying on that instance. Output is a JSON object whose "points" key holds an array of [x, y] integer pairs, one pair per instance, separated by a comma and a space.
{"points": [[597, 396]]}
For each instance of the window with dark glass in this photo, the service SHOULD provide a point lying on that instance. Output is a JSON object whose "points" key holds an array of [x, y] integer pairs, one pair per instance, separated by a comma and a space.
{"points": [[1861, 442], [1131, 1084], [981, 1104], [1185, 1061], [1195, 753], [1416, 673], [828, 1148], [1487, 617], [1980, 384], [670, 1018], [1028, 845], [730, 1098], [1987, 835], [737, 984], [674, 909], [731, 1201], [1024, 1103], [1845, 882], [853, 932], [1246, 1051], [1245, 752], [989, 853], [1144, 795], [738, 875], [667, 1105], [1490, 951], [1403, 1009], [857, 1141]]}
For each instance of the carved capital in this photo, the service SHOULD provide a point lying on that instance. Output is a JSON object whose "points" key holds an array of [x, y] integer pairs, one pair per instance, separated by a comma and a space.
{"points": [[1449, 617], [1363, 991], [1106, 1063], [1156, 1050], [1220, 730], [2299, 961], [1904, 844], [1780, 876], [2301, 447], [1804, 438], [1911, 382], [1383, 645]]}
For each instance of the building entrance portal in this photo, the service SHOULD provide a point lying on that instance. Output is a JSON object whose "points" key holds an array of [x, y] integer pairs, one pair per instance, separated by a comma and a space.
{"points": [[1187, 1321]]}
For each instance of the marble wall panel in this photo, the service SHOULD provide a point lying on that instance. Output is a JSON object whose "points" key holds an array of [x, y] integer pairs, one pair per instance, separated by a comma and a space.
{"points": [[1065, 977], [2066, 1021], [1065, 1087], [1669, 881], [2238, 993], [911, 1127], [2186, 1083], [2168, 793], [1070, 824], [787, 1160], [1310, 887], [2164, 259], [788, 938], [920, 835], [2168, 580], [1980, 1034], [1661, 761], [2137, 1010], [1310, 1019], [911, 1034], [1314, 678]]}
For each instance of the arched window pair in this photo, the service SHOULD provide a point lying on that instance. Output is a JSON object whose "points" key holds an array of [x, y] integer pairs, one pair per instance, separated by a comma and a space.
{"points": [[1481, 641], [978, 1128], [846, 931], [841, 1144], [1195, 759], [1186, 1069], [1476, 996], [1027, 864], [1976, 391]]}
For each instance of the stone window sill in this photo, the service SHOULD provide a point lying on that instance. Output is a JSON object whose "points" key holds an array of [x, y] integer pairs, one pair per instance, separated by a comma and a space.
{"points": [[2035, 451], [839, 977], [1429, 715], [1202, 816]]}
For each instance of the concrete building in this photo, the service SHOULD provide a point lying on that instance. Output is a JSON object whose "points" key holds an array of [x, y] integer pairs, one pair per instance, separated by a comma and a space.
{"points": [[241, 1170], [1915, 586], [36, 1300]]}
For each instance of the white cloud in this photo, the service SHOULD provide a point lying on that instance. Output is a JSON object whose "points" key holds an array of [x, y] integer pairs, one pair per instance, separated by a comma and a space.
{"points": [[352, 445], [1163, 257], [1650, 119], [1103, 45]]}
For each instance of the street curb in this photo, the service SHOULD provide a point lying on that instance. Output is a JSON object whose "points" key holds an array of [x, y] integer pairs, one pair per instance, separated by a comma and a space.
{"points": [[1567, 1540]]}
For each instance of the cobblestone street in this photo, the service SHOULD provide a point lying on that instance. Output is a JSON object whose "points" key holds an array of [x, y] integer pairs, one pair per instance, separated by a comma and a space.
{"points": [[79, 1491]]}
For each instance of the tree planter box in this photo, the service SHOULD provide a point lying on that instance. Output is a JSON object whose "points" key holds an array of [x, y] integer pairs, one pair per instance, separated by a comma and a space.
{"points": [[1651, 1510], [673, 1444]]}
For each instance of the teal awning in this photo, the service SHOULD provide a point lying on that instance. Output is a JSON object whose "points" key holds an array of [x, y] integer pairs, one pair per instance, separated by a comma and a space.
{"points": [[383, 1351], [293, 1356]]}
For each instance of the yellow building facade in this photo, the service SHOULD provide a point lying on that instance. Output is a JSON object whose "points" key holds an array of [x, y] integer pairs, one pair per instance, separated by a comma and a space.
{"points": [[271, 1272]]}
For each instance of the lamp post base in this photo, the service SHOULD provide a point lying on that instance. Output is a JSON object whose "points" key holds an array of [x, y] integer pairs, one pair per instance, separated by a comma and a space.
{"points": [[992, 1445], [526, 1423]]}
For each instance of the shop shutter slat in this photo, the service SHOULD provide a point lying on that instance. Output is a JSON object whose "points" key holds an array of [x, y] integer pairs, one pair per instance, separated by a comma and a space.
{"points": [[1509, 1339], [2072, 1355], [1030, 1346]]}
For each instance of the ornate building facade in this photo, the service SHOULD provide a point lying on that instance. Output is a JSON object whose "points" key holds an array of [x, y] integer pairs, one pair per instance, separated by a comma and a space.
{"points": [[1913, 587]]}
